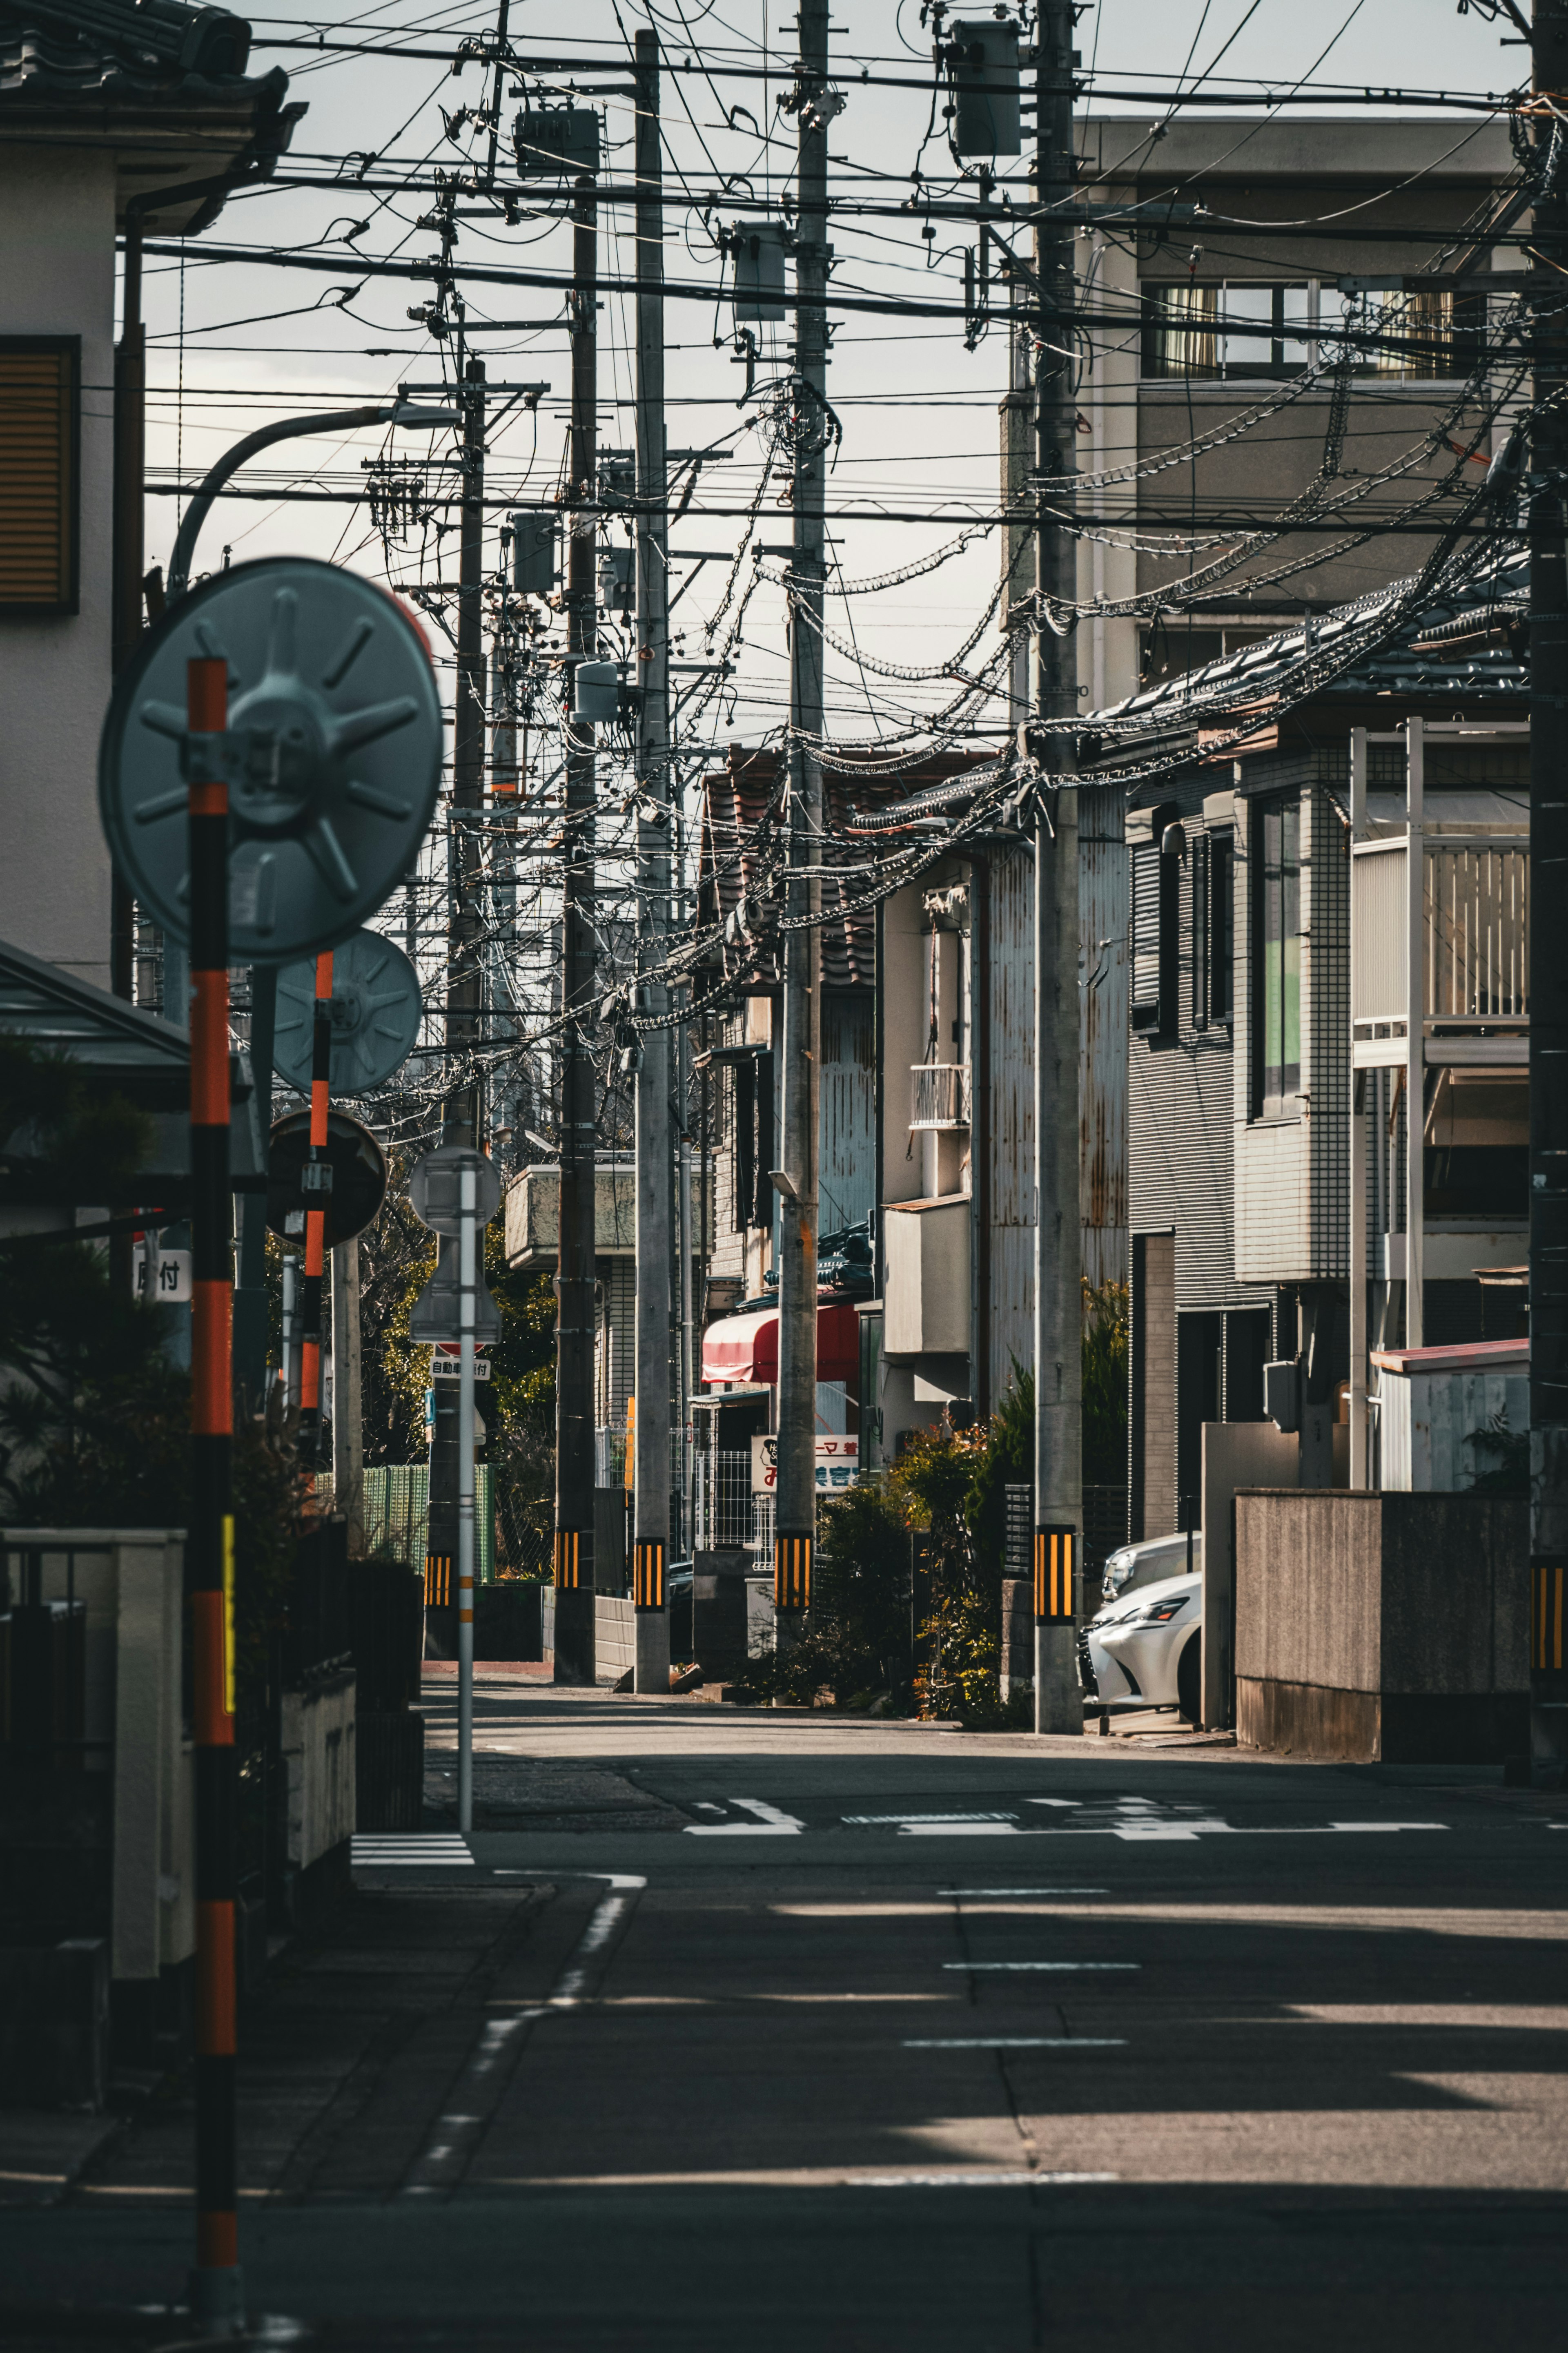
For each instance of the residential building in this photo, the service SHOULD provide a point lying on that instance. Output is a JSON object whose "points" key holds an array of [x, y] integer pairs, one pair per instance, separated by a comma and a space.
{"points": [[145, 118], [1249, 1040]]}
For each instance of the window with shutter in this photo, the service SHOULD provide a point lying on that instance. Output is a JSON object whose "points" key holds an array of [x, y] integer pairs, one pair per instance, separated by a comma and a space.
{"points": [[39, 413], [1156, 912]]}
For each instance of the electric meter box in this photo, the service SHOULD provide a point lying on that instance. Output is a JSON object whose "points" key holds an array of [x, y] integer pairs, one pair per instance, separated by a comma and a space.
{"points": [[759, 273], [534, 564], [984, 71], [617, 577], [557, 143], [596, 692]]}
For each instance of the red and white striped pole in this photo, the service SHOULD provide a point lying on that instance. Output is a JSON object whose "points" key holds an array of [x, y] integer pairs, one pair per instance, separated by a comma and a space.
{"points": [[216, 2299], [317, 1182]]}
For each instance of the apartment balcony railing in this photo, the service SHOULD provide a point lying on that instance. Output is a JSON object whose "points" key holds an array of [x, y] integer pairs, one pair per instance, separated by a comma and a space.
{"points": [[939, 1095]]}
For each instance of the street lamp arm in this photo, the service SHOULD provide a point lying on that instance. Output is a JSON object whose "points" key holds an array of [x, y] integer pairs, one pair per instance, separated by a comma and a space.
{"points": [[341, 420]]}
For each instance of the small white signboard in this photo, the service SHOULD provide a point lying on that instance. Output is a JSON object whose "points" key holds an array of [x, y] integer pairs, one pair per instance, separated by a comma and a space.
{"points": [[837, 1464], [449, 1368], [173, 1285]]}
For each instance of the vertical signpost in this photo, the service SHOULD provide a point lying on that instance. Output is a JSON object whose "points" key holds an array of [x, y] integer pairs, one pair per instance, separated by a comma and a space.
{"points": [[456, 1193], [216, 2291], [310, 847]]}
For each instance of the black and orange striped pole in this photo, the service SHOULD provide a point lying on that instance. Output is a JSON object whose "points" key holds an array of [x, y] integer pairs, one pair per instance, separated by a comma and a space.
{"points": [[216, 2281], [317, 1181]]}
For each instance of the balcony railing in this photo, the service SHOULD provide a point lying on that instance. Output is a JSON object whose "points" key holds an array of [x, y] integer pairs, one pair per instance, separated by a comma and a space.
{"points": [[939, 1095]]}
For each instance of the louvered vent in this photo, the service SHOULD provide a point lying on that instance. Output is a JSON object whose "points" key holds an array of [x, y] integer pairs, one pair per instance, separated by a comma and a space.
{"points": [[37, 475]]}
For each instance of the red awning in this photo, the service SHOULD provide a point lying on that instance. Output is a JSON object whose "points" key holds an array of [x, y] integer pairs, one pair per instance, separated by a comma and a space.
{"points": [[746, 1347]]}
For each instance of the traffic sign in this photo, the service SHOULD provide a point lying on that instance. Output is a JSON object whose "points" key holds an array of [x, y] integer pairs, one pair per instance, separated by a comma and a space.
{"points": [[376, 1012], [332, 754], [354, 1168], [434, 1188], [437, 1313]]}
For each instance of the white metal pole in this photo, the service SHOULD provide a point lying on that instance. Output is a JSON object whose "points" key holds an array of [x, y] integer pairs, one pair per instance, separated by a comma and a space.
{"points": [[290, 1278], [1414, 1038], [467, 1276]]}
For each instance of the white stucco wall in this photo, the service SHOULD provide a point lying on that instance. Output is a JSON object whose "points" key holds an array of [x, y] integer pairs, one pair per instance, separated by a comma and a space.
{"points": [[57, 232]]}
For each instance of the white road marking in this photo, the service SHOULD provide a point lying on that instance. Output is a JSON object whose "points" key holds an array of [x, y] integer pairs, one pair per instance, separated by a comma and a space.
{"points": [[906, 1821], [1073, 1803], [770, 1823], [959, 1828], [997, 2180], [1042, 1964], [449, 2147], [1023, 1891], [1020, 2043], [416, 1851]]}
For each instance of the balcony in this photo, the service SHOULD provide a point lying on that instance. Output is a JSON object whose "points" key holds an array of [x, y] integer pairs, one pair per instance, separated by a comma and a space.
{"points": [[939, 1095]]}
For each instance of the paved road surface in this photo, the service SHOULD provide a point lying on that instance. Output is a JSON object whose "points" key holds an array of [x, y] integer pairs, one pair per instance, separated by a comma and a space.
{"points": [[779, 2032]]}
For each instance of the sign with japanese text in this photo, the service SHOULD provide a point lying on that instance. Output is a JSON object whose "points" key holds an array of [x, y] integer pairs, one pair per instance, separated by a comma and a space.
{"points": [[837, 1464]]}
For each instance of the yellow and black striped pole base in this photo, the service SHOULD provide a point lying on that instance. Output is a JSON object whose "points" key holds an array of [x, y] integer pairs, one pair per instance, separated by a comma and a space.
{"points": [[1548, 1671], [647, 1574], [1056, 1557], [568, 1559], [438, 1580], [792, 1572]]}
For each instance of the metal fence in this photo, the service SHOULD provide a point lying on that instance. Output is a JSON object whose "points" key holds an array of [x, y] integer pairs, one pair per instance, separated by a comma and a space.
{"points": [[728, 1517]]}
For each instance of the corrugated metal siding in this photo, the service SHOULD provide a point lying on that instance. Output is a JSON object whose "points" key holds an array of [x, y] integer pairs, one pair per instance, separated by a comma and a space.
{"points": [[1103, 912], [1379, 883], [1010, 1142]]}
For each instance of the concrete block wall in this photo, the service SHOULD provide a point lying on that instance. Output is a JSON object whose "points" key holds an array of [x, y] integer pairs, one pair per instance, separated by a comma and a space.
{"points": [[1382, 1627]]}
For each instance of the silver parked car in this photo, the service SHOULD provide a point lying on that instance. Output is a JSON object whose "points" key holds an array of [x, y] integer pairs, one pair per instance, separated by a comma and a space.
{"points": [[1145, 1564]]}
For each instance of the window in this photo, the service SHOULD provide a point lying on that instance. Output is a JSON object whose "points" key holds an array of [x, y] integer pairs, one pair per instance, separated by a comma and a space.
{"points": [[39, 410], [1277, 954], [1156, 909], [1224, 332], [1220, 945], [1210, 333]]}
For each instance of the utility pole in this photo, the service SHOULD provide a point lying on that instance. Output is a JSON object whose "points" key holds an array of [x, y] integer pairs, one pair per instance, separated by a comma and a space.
{"points": [[1547, 977], [796, 1178], [460, 1111], [1058, 1310], [575, 1660], [651, 1540], [348, 1394], [461, 1123]]}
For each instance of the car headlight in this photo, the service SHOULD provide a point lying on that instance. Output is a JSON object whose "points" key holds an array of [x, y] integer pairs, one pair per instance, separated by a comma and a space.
{"points": [[1158, 1613]]}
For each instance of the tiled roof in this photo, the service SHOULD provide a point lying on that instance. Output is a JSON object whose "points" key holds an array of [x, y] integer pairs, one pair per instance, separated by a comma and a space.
{"points": [[1460, 643], [741, 845], [144, 70]]}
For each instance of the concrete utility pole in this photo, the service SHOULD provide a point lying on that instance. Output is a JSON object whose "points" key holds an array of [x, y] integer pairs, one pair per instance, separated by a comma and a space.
{"points": [[575, 1286], [650, 1541], [795, 1523], [1548, 974], [1058, 1306], [461, 1124]]}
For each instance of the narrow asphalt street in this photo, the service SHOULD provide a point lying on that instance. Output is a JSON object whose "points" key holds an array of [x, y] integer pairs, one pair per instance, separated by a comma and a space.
{"points": [[790, 2030]]}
